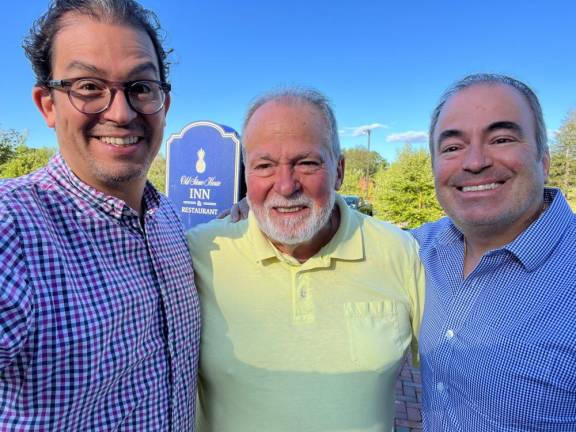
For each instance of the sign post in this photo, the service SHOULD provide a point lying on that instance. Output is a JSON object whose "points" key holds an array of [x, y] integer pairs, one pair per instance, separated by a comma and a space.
{"points": [[203, 171]]}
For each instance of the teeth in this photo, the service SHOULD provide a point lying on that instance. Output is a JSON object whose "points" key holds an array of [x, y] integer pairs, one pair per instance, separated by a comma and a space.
{"points": [[483, 187], [119, 141], [288, 209]]}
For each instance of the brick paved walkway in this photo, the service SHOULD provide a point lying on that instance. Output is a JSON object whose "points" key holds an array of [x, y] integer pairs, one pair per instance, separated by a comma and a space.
{"points": [[408, 399]]}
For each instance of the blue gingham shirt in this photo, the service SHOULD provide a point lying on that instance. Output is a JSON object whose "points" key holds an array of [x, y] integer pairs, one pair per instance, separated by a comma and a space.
{"points": [[498, 349], [99, 317]]}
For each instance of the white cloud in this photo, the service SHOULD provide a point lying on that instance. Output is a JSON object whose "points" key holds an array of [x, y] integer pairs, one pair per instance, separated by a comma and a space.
{"points": [[408, 137], [360, 130], [552, 133]]}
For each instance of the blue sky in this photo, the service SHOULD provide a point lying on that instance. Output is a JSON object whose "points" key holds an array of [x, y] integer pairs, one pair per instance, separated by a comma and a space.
{"points": [[380, 62]]}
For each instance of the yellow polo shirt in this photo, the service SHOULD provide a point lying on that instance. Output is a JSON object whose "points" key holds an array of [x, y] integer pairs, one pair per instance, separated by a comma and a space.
{"points": [[304, 347]]}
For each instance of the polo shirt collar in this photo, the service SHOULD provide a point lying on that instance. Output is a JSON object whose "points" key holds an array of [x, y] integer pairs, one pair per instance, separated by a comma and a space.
{"points": [[347, 244], [261, 246]]}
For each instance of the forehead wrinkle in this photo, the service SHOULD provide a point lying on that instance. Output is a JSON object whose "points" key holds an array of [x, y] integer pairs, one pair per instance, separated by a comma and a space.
{"points": [[79, 65], [93, 69]]}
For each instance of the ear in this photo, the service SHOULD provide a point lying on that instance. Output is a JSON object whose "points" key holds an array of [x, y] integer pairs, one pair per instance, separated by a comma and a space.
{"points": [[167, 103], [340, 173], [546, 164], [165, 109], [42, 97]]}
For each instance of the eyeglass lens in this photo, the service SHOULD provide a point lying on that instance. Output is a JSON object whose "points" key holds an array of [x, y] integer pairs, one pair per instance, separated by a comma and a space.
{"points": [[92, 96]]}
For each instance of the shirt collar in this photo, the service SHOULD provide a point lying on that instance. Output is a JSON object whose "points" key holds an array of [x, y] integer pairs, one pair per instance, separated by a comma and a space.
{"points": [[535, 243], [347, 244], [449, 235], [90, 198]]}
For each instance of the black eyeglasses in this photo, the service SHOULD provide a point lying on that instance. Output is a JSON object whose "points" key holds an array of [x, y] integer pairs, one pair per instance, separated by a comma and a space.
{"points": [[95, 95]]}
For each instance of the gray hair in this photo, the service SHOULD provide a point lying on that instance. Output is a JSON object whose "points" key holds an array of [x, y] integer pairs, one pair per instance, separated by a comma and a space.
{"points": [[38, 45], [494, 79], [300, 95]]}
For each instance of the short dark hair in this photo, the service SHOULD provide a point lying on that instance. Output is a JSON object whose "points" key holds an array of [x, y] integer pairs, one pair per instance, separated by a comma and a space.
{"points": [[494, 79], [303, 95], [38, 45]]}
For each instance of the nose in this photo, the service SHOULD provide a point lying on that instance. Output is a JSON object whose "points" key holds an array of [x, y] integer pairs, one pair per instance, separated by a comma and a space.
{"points": [[119, 111], [476, 158], [286, 183]]}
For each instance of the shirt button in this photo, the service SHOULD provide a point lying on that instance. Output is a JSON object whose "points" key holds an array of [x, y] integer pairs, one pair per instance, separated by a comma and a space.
{"points": [[449, 334], [303, 294], [440, 386]]}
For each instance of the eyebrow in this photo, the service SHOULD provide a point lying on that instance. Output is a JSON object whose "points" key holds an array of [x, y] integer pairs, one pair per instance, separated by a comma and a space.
{"points": [[509, 125], [304, 155], [143, 67], [264, 156], [449, 133]]}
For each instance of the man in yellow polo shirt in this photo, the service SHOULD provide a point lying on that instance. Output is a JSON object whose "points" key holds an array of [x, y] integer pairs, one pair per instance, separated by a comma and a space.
{"points": [[308, 306]]}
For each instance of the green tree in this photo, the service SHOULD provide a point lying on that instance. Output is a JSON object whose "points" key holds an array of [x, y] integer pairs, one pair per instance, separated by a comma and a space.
{"points": [[25, 160], [157, 173], [10, 140], [358, 158], [563, 159], [352, 184], [404, 192], [358, 162]]}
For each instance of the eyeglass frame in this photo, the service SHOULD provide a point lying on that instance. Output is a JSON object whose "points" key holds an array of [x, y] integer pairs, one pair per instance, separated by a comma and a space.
{"points": [[112, 86]]}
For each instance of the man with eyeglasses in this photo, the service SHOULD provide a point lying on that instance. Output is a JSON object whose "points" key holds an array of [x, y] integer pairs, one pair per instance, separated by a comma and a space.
{"points": [[99, 318]]}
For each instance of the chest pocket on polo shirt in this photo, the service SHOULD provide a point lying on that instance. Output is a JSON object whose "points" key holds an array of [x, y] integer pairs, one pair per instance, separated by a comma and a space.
{"points": [[379, 333]]}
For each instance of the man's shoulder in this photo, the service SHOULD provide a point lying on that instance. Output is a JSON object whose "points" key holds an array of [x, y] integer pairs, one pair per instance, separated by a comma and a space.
{"points": [[217, 230], [428, 233], [22, 183], [165, 206], [562, 227], [377, 230], [23, 207], [564, 216], [383, 241], [24, 194]]}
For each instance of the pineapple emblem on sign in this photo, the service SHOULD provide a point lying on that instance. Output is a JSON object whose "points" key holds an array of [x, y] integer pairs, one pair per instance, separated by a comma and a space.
{"points": [[200, 163], [203, 171]]}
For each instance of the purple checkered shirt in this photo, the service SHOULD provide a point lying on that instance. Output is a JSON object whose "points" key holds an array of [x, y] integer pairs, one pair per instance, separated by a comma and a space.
{"points": [[99, 316]]}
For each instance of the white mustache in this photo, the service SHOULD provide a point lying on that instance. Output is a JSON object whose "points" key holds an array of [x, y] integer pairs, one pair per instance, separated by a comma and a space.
{"points": [[287, 202]]}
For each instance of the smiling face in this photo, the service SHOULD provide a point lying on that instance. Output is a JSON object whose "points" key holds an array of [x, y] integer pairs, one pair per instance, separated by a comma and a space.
{"points": [[291, 174], [113, 150], [488, 174]]}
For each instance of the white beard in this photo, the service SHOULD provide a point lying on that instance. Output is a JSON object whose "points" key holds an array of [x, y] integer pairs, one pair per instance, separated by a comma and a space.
{"points": [[295, 230]]}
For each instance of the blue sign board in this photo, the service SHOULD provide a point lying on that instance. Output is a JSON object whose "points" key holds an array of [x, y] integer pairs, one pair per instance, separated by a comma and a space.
{"points": [[203, 171]]}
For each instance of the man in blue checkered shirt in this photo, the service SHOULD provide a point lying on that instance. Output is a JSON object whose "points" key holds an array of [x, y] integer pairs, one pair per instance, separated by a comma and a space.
{"points": [[498, 339], [99, 319]]}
